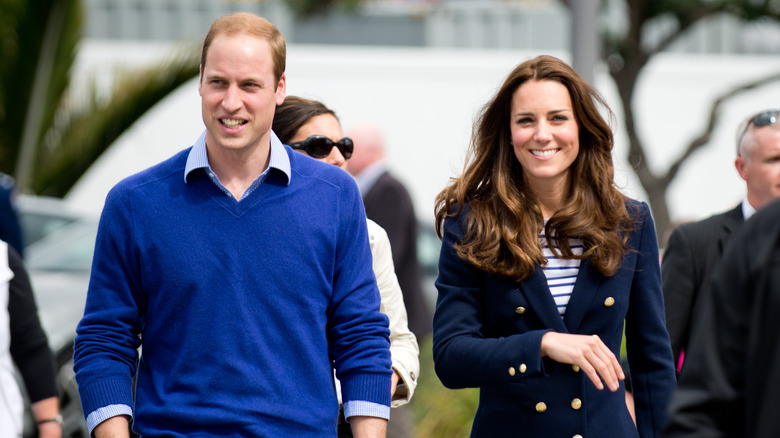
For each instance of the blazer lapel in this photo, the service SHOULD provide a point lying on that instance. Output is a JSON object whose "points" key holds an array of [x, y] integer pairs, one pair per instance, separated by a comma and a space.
{"points": [[538, 294], [731, 223], [585, 288]]}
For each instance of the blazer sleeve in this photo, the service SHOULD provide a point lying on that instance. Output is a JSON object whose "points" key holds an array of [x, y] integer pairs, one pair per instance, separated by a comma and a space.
{"points": [[404, 350], [463, 355], [647, 341], [679, 289]]}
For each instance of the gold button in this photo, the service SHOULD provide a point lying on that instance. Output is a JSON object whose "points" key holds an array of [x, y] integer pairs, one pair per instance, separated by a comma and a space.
{"points": [[576, 368], [609, 302], [576, 404], [511, 371], [577, 436], [520, 310], [523, 367], [541, 407], [413, 376]]}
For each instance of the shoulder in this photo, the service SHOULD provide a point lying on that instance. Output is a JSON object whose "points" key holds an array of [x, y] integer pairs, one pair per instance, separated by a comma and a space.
{"points": [[455, 224], [375, 231], [763, 228], [387, 183], [637, 209], [310, 170], [173, 166], [708, 227]]}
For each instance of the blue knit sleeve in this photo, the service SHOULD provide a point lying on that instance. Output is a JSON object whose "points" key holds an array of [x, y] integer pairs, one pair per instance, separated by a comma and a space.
{"points": [[358, 331], [107, 340]]}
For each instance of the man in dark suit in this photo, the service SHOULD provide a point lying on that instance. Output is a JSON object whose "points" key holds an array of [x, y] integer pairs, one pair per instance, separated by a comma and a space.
{"points": [[730, 381], [694, 249], [388, 203]]}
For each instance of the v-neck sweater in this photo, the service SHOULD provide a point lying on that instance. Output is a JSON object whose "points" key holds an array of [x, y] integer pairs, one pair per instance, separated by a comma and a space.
{"points": [[244, 307]]}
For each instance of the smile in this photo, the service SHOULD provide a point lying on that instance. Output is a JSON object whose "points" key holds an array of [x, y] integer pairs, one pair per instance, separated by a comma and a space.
{"points": [[232, 123], [544, 153]]}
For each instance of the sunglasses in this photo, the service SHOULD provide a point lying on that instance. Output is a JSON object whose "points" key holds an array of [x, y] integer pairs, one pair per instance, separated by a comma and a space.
{"points": [[319, 146], [765, 118]]}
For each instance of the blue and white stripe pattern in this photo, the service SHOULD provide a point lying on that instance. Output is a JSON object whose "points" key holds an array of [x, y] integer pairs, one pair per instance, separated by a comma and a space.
{"points": [[561, 273]]}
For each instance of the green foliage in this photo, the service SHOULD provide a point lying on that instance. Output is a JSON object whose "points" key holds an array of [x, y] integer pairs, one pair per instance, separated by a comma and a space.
{"points": [[48, 136], [311, 8], [440, 412], [84, 131]]}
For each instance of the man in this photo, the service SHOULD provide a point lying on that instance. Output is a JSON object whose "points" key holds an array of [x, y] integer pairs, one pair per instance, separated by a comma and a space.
{"points": [[694, 249], [389, 204], [730, 381], [242, 269]]}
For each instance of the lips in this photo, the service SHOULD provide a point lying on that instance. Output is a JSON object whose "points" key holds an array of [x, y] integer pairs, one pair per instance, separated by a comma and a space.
{"points": [[544, 153], [232, 123]]}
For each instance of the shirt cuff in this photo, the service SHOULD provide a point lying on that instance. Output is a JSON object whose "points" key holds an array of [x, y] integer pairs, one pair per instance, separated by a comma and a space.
{"points": [[102, 414], [366, 409]]}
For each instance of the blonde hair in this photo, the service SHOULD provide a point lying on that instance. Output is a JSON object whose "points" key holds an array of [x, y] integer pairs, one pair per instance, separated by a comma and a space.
{"points": [[245, 22]]}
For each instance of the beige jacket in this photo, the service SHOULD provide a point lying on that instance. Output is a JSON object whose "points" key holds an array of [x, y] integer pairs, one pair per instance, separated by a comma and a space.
{"points": [[403, 344]]}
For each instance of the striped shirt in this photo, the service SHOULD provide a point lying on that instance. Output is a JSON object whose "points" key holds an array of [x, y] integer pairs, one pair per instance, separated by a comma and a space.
{"points": [[561, 273]]}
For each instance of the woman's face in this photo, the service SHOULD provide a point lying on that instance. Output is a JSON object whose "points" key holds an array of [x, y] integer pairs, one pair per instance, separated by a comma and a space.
{"points": [[329, 126], [545, 135]]}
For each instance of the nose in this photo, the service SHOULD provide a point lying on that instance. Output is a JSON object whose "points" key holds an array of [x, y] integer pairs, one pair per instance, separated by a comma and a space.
{"points": [[231, 101], [543, 132], [335, 157]]}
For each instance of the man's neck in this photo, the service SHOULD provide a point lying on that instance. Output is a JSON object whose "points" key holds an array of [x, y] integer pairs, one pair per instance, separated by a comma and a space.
{"points": [[238, 169]]}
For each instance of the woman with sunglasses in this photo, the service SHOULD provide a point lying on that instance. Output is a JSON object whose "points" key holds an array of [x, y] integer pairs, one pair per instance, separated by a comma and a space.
{"points": [[311, 128], [543, 263]]}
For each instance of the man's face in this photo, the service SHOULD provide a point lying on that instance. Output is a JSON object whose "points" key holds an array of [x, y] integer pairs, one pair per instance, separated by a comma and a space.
{"points": [[760, 167], [239, 93]]}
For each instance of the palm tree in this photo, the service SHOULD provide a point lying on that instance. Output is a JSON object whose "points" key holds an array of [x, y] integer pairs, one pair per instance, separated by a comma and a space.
{"points": [[48, 135]]}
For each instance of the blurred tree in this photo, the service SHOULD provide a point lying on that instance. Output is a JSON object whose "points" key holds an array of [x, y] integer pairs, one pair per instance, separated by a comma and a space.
{"points": [[309, 8], [48, 135], [629, 49]]}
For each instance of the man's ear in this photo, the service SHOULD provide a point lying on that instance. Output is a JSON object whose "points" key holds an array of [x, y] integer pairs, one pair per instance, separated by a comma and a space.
{"points": [[281, 90], [200, 80], [740, 164]]}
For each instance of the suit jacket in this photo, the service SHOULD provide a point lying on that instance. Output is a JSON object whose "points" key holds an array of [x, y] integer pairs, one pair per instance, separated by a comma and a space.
{"points": [[487, 333], [730, 382], [389, 204], [688, 262]]}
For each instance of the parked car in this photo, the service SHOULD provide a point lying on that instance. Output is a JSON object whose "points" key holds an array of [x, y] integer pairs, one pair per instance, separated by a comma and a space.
{"points": [[42, 215], [58, 256]]}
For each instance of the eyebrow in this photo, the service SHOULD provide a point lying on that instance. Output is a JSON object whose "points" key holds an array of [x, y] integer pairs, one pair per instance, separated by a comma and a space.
{"points": [[555, 111]]}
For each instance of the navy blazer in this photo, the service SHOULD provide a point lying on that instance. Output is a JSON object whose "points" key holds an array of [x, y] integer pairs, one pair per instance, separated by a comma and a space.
{"points": [[487, 333]]}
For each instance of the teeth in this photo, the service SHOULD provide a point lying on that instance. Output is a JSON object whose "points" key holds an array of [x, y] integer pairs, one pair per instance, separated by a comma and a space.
{"points": [[545, 153], [231, 123]]}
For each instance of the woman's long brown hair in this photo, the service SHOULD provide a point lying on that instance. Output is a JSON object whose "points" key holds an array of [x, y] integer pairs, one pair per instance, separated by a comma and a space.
{"points": [[504, 220]]}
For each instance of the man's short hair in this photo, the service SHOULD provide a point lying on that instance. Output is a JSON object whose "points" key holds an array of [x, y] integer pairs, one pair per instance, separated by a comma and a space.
{"points": [[247, 23]]}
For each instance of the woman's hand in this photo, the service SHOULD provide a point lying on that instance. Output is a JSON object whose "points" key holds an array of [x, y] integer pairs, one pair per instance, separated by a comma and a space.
{"points": [[394, 382], [589, 353]]}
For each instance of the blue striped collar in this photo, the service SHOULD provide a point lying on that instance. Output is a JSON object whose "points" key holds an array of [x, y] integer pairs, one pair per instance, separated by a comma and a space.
{"points": [[279, 160]]}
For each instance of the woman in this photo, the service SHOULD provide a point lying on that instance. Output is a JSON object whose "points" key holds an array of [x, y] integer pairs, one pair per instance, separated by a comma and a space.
{"points": [[542, 261], [311, 128], [23, 342]]}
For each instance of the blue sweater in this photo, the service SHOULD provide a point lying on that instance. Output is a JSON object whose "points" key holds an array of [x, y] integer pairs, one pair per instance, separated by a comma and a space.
{"points": [[243, 307]]}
